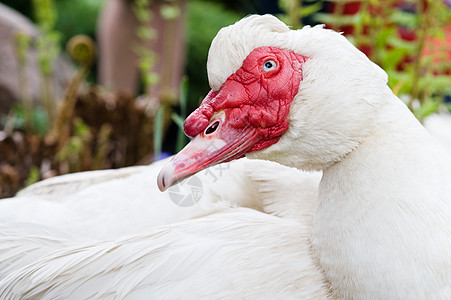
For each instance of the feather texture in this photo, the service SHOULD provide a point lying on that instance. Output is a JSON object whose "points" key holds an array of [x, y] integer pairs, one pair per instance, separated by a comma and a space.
{"points": [[165, 261]]}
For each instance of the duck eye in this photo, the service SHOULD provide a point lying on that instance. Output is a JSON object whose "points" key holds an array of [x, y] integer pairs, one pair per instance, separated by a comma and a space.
{"points": [[269, 65]]}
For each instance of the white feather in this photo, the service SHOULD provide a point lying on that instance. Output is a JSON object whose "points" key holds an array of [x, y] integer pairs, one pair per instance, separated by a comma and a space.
{"points": [[165, 262], [107, 245]]}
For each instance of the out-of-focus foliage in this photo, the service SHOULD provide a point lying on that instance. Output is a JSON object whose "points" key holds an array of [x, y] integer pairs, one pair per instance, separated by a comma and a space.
{"points": [[178, 119], [298, 11], [144, 33], [74, 16], [48, 49], [74, 150], [205, 19], [22, 45], [400, 36], [77, 17], [23, 119]]}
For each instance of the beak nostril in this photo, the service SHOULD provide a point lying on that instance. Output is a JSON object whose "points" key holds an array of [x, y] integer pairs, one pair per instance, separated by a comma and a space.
{"points": [[212, 128]]}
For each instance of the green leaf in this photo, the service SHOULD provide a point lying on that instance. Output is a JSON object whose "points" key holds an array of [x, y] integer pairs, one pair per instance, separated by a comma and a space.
{"points": [[436, 83], [158, 132], [177, 120], [401, 80], [342, 20], [40, 121], [393, 57], [22, 44], [182, 140], [406, 19], [81, 129], [184, 96], [141, 12], [308, 10], [33, 176], [169, 11], [146, 33], [151, 78], [429, 107], [383, 36], [397, 42]]}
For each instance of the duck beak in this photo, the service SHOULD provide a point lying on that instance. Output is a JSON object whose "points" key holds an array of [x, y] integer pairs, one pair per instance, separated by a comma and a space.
{"points": [[207, 149]]}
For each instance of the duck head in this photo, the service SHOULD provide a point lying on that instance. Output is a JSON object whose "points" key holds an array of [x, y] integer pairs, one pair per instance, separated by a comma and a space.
{"points": [[278, 94]]}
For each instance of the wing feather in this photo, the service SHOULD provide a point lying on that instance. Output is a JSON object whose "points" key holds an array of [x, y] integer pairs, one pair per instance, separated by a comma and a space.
{"points": [[238, 254]]}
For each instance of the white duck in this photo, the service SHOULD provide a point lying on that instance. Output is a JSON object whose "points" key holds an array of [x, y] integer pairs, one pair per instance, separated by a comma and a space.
{"points": [[382, 227], [313, 101]]}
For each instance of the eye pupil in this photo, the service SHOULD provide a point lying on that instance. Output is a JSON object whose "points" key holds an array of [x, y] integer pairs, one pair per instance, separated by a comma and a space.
{"points": [[212, 128], [269, 65]]}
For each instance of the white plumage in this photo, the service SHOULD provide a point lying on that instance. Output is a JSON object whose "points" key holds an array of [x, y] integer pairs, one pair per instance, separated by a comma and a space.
{"points": [[379, 227], [101, 241], [211, 257]]}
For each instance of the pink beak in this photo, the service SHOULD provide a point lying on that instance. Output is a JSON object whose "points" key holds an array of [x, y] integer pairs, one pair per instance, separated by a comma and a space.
{"points": [[218, 143]]}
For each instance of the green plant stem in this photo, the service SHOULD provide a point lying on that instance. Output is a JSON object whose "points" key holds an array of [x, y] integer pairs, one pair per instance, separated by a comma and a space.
{"points": [[425, 13], [338, 11], [294, 9], [47, 97], [48, 50], [158, 132], [61, 126], [82, 50], [168, 61], [22, 43], [358, 28]]}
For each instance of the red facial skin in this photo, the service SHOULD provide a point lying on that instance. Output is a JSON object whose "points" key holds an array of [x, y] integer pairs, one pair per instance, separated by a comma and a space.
{"points": [[251, 97], [255, 103]]}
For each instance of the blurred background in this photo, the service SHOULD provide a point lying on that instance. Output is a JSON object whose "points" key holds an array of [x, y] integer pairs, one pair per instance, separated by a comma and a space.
{"points": [[99, 84]]}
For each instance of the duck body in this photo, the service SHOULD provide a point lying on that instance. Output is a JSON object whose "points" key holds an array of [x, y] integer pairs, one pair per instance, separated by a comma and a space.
{"points": [[112, 234], [107, 204], [397, 244], [382, 226], [213, 257]]}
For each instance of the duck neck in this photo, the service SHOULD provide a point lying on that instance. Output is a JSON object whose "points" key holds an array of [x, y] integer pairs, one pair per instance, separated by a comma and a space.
{"points": [[381, 222]]}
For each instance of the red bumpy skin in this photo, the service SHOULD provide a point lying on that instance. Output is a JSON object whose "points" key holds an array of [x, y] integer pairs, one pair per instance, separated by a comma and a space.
{"points": [[248, 113], [254, 96]]}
